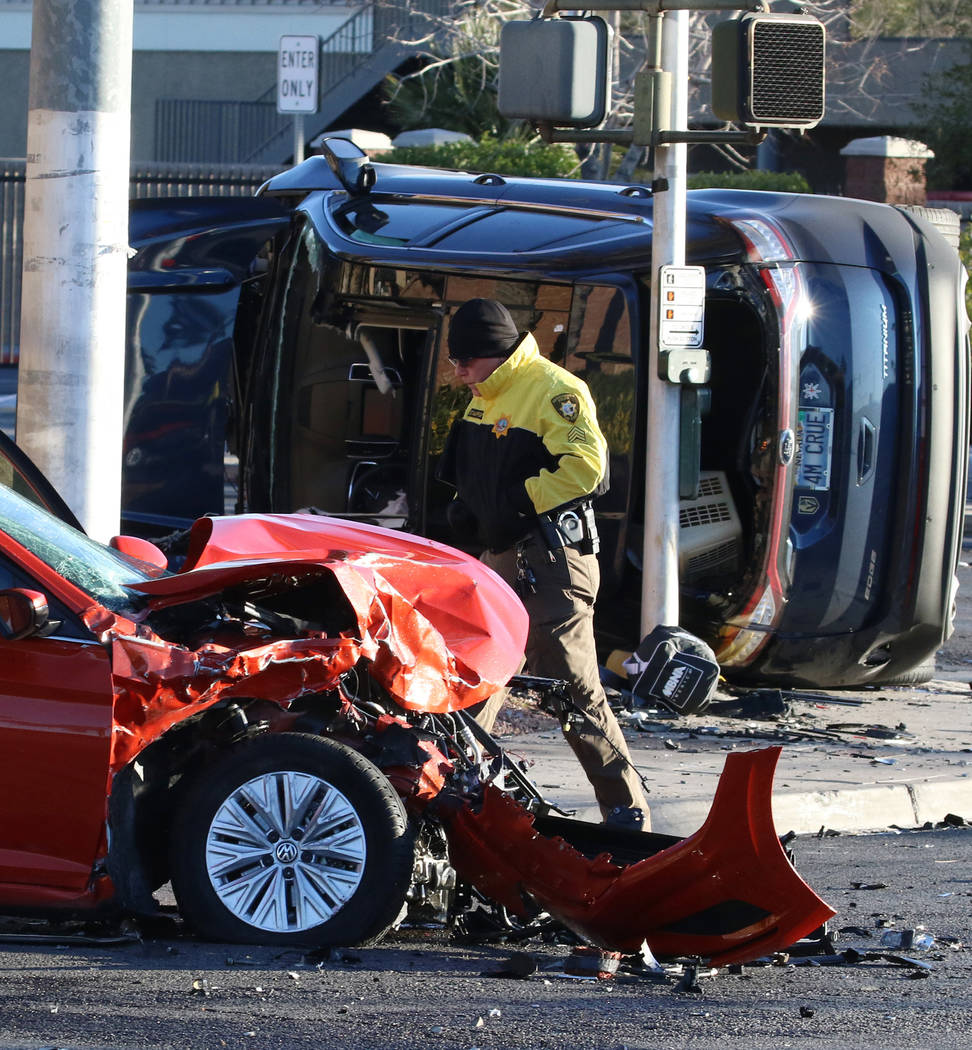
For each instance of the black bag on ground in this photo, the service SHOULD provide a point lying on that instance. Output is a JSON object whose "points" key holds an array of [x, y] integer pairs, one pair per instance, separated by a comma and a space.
{"points": [[673, 668]]}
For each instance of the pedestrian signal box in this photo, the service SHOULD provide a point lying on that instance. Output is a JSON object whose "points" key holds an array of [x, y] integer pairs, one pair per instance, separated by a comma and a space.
{"points": [[768, 70], [557, 71]]}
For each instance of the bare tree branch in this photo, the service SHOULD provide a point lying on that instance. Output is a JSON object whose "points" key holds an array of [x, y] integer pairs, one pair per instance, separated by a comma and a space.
{"points": [[861, 62]]}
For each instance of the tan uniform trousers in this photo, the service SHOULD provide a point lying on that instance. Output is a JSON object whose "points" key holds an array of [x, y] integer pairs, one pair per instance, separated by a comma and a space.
{"points": [[560, 645]]}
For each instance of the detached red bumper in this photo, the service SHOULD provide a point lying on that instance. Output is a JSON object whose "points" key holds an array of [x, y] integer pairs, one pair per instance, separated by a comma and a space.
{"points": [[728, 893]]}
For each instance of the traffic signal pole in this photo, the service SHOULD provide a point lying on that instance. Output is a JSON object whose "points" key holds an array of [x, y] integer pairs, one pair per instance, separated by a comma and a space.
{"points": [[659, 577], [72, 335]]}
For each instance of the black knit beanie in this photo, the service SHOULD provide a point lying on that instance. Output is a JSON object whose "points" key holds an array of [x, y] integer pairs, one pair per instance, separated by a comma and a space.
{"points": [[482, 328]]}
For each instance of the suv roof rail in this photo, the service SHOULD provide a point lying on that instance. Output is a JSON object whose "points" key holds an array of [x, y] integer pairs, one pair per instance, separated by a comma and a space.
{"points": [[343, 166]]}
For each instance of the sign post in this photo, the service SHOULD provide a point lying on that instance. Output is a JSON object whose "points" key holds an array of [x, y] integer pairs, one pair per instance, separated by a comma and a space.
{"points": [[298, 90], [659, 577]]}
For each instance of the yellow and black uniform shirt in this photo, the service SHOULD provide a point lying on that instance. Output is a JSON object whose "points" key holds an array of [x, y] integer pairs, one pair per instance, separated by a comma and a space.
{"points": [[527, 444]]}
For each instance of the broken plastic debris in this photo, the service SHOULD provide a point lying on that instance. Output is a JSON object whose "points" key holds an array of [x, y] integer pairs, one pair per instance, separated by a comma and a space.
{"points": [[909, 939], [648, 960], [200, 986], [519, 966], [586, 961], [906, 960], [690, 981], [849, 956]]}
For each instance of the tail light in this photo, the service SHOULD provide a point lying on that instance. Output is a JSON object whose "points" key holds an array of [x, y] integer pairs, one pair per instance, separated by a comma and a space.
{"points": [[773, 256]]}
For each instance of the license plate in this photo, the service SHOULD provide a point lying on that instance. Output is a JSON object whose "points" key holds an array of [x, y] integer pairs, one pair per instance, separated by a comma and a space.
{"points": [[816, 441]]}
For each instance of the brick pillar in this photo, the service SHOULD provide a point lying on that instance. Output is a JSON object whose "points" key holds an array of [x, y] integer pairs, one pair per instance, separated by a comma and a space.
{"points": [[887, 169]]}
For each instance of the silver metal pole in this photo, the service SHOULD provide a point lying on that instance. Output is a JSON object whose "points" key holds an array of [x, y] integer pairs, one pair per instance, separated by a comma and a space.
{"points": [[72, 335], [298, 138], [659, 588]]}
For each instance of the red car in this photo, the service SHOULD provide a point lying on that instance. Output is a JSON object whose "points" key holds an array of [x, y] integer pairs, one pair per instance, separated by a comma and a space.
{"points": [[280, 727]]}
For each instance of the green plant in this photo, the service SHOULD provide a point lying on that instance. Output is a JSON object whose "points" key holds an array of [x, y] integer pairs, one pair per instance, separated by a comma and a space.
{"points": [[945, 114], [506, 157], [458, 94], [774, 181]]}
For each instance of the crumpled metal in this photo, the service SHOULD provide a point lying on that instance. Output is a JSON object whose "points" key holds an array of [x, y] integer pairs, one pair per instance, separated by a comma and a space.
{"points": [[441, 631], [728, 893]]}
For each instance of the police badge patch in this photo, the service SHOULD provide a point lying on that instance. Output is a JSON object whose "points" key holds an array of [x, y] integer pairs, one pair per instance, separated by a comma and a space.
{"points": [[568, 406]]}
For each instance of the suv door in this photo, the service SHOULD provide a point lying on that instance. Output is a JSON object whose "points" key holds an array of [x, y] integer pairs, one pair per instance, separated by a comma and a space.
{"points": [[191, 257]]}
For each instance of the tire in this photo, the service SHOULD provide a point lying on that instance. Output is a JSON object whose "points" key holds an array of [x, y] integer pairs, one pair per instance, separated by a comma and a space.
{"points": [[916, 676], [254, 860], [946, 221]]}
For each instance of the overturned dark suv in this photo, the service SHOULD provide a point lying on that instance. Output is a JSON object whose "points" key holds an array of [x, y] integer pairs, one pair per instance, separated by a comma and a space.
{"points": [[821, 544]]}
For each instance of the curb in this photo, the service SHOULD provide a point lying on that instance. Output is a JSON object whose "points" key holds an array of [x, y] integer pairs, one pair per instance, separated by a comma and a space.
{"points": [[853, 810]]}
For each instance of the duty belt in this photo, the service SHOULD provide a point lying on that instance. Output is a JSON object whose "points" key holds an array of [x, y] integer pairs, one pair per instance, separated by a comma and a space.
{"points": [[573, 527]]}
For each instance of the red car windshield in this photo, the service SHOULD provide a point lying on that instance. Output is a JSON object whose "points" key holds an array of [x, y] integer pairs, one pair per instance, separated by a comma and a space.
{"points": [[100, 571]]}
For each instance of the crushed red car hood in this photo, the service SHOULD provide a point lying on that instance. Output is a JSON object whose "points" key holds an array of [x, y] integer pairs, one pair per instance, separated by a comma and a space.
{"points": [[477, 615], [441, 630]]}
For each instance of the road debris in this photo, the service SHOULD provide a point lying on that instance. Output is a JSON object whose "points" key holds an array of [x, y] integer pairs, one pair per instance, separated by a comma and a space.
{"points": [[908, 939], [200, 987], [518, 967], [586, 961], [690, 981]]}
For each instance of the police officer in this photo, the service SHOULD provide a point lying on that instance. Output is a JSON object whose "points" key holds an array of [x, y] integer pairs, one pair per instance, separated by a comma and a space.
{"points": [[526, 458]]}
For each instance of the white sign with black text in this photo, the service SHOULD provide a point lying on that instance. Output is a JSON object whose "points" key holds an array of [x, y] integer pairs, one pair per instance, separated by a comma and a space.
{"points": [[297, 72], [682, 294]]}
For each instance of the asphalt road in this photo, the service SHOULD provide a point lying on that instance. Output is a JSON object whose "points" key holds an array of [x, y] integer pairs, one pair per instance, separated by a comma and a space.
{"points": [[420, 990]]}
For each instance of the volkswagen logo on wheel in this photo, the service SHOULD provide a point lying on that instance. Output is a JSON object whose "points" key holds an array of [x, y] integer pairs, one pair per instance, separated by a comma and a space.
{"points": [[286, 852]]}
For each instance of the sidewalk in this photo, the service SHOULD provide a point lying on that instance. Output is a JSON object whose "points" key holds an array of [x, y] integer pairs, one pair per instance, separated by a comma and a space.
{"points": [[842, 768]]}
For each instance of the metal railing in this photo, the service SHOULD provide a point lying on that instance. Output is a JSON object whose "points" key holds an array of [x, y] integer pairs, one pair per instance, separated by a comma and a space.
{"points": [[155, 180], [12, 184], [212, 131]]}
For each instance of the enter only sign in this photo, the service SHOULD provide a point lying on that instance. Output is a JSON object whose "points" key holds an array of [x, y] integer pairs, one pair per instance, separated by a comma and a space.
{"points": [[297, 67]]}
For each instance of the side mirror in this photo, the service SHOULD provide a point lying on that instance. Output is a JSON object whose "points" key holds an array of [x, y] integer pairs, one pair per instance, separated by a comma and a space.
{"points": [[22, 613], [142, 550]]}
